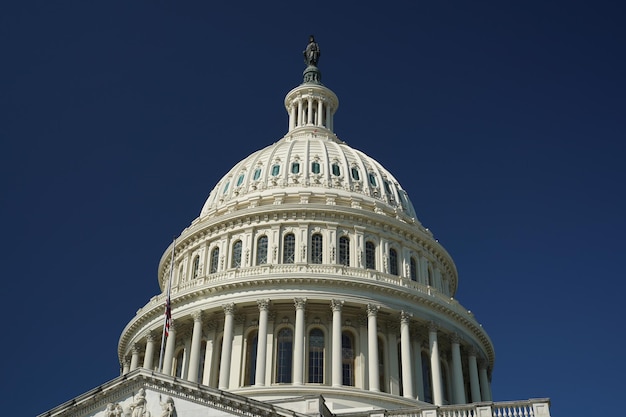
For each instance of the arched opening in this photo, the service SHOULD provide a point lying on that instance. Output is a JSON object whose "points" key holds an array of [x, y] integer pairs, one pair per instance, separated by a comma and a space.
{"points": [[250, 360], [215, 258], [289, 248], [316, 249], [236, 259], [284, 355], [347, 358], [316, 356], [261, 250]]}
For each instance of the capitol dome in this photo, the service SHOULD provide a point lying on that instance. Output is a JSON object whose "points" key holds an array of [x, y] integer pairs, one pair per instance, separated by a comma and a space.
{"points": [[307, 273]]}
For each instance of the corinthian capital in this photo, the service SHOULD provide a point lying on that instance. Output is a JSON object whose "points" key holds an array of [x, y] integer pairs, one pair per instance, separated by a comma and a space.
{"points": [[336, 305]]}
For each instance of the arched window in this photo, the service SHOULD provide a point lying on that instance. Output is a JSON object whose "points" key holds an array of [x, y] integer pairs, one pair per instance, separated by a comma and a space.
{"points": [[430, 276], [289, 248], [215, 258], [370, 255], [284, 355], [251, 347], [316, 356], [178, 365], [393, 261], [236, 259], [355, 173], [344, 250], [180, 273], [427, 378], [381, 366], [347, 358], [372, 179], [196, 267], [261, 250], [413, 269], [316, 248]]}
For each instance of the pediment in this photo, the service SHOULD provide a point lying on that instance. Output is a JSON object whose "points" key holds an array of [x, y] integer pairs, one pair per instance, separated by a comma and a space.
{"points": [[142, 393]]}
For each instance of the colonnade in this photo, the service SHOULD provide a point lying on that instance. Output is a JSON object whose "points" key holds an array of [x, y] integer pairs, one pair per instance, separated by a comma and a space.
{"points": [[311, 110], [414, 366]]}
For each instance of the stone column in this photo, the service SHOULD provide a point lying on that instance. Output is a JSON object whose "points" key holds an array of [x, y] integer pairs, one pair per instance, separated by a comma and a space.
{"points": [[196, 344], [298, 342], [336, 361], [372, 347], [299, 121], [148, 358], [309, 111], [292, 117], [473, 374], [261, 350], [320, 114], [227, 345], [419, 376], [457, 371], [435, 367], [485, 391], [125, 366], [405, 348], [170, 345], [134, 359]]}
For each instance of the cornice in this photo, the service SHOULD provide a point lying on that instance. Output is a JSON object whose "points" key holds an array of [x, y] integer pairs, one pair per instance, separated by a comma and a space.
{"points": [[305, 277]]}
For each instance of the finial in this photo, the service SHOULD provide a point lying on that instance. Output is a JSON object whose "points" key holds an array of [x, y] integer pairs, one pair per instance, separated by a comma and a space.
{"points": [[312, 52]]}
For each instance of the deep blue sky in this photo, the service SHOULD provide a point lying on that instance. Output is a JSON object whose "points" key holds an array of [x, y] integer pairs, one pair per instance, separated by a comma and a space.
{"points": [[504, 121]]}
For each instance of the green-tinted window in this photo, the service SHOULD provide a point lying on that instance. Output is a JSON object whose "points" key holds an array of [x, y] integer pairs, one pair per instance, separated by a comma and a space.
{"points": [[387, 187], [372, 179], [355, 173], [257, 174], [240, 180], [226, 187], [295, 168], [315, 167], [275, 170], [336, 170]]}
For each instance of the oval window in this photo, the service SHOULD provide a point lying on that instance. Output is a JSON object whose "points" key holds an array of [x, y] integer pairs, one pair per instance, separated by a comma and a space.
{"points": [[257, 174], [275, 170], [240, 180]]}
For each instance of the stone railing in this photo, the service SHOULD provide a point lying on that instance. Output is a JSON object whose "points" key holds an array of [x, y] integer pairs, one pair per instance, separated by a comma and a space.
{"points": [[320, 269], [528, 408]]}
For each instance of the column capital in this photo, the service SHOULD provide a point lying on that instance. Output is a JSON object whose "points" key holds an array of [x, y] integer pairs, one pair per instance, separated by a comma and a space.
{"points": [[372, 310], [482, 364], [197, 315], [432, 326], [229, 308], [472, 351], [336, 305], [135, 349], [455, 338], [299, 303], [150, 336], [405, 317], [264, 304]]}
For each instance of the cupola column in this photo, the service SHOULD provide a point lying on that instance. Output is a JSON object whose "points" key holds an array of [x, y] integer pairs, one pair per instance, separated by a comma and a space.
{"points": [[485, 391], [170, 344], [300, 122], [261, 350], [457, 371], [435, 367], [148, 358], [196, 343], [372, 347], [227, 345], [473, 373], [320, 113], [336, 306], [405, 347], [134, 359], [298, 345], [309, 111], [292, 116], [125, 366]]}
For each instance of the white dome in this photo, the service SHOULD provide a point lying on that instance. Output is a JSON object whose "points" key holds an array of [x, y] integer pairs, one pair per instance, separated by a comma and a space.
{"points": [[309, 162]]}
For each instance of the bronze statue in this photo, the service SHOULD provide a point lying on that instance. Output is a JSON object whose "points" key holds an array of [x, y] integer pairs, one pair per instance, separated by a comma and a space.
{"points": [[312, 52]]}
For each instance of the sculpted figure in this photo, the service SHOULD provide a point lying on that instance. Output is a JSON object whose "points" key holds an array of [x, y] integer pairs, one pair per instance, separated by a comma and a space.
{"points": [[168, 407], [138, 406], [113, 410], [312, 52]]}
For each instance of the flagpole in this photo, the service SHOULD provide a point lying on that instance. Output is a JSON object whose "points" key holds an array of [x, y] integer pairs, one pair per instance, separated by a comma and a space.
{"points": [[167, 307]]}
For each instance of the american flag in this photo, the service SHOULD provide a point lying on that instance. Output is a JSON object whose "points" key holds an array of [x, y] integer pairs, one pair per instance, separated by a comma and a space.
{"points": [[168, 314]]}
